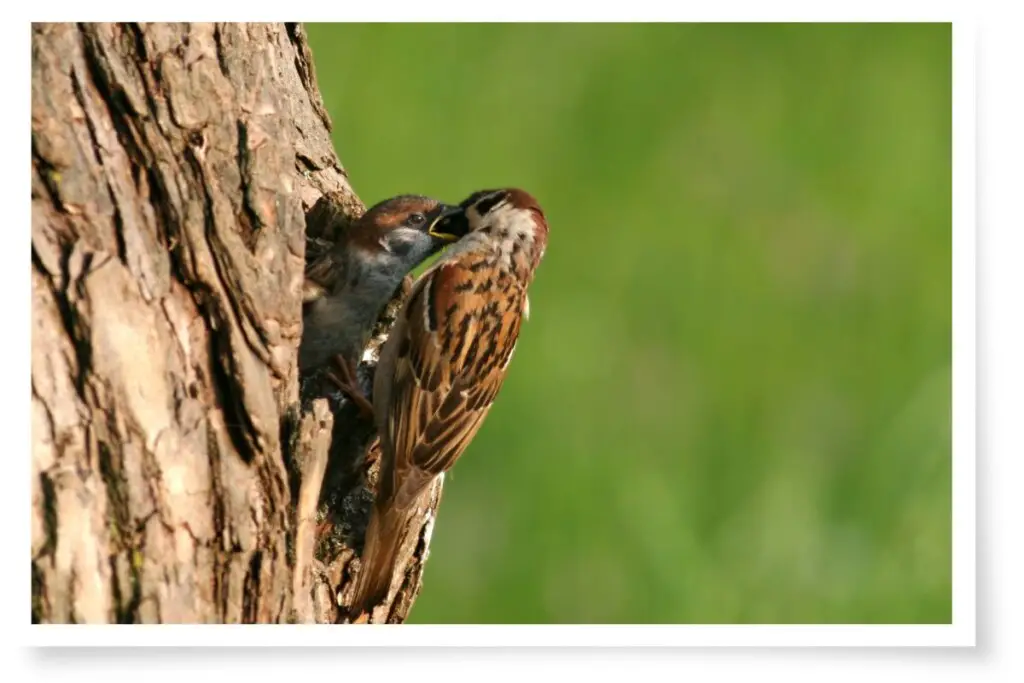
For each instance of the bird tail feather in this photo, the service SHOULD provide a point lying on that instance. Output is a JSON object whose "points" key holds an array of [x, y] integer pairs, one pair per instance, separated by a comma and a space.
{"points": [[380, 553]]}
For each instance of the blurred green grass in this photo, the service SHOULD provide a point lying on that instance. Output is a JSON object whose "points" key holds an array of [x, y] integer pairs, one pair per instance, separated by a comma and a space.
{"points": [[732, 400]]}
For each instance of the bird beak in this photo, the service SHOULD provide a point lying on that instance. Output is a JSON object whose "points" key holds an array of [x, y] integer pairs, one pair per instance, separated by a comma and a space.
{"points": [[443, 226]]}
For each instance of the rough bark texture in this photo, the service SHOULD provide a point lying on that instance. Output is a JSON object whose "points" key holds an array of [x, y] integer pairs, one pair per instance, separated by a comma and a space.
{"points": [[182, 471]]}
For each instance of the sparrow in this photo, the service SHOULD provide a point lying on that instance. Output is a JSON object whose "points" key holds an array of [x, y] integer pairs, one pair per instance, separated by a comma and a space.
{"points": [[444, 362], [348, 284]]}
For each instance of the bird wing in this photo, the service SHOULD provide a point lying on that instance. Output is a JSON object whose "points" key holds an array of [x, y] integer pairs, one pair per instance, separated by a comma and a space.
{"points": [[458, 332], [323, 269]]}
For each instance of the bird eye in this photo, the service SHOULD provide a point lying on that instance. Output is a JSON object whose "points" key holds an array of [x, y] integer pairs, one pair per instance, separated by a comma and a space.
{"points": [[417, 219]]}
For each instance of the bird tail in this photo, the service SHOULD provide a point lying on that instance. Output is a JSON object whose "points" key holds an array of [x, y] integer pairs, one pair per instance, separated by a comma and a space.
{"points": [[380, 553]]}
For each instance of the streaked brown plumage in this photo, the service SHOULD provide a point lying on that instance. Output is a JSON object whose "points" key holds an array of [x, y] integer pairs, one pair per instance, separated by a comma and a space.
{"points": [[445, 361]]}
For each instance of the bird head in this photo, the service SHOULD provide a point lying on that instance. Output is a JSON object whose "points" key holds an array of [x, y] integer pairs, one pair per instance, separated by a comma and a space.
{"points": [[486, 209], [508, 214], [403, 229], [380, 248]]}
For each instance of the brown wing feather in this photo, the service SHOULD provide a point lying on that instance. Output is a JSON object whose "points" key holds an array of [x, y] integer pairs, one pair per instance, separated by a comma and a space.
{"points": [[449, 368], [324, 269]]}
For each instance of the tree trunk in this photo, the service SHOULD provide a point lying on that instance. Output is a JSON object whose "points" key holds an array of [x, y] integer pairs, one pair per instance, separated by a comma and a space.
{"points": [[182, 471]]}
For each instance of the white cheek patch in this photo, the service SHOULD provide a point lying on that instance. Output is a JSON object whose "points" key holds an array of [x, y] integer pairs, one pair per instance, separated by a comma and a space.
{"points": [[383, 241]]}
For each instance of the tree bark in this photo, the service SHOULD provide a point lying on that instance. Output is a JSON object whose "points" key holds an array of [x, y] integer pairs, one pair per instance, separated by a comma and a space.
{"points": [[182, 471]]}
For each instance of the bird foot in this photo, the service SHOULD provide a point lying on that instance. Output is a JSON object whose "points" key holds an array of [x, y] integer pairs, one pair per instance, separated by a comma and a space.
{"points": [[346, 381]]}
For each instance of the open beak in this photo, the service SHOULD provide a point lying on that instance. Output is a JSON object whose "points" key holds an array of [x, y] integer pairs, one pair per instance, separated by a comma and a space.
{"points": [[443, 226]]}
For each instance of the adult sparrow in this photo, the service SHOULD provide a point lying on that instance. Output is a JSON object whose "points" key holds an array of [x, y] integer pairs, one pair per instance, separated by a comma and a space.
{"points": [[347, 285], [445, 360]]}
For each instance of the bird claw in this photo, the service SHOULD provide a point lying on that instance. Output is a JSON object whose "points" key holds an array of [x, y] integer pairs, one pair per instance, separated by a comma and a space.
{"points": [[346, 382]]}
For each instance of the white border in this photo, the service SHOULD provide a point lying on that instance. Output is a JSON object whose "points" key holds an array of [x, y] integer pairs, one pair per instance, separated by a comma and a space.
{"points": [[961, 632], [964, 297], [416, 635]]}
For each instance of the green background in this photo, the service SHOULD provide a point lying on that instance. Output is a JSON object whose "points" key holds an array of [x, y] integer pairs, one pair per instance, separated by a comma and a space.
{"points": [[732, 400]]}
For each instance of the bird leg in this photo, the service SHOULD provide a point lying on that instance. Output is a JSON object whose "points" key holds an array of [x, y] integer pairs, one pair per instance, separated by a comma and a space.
{"points": [[345, 379]]}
